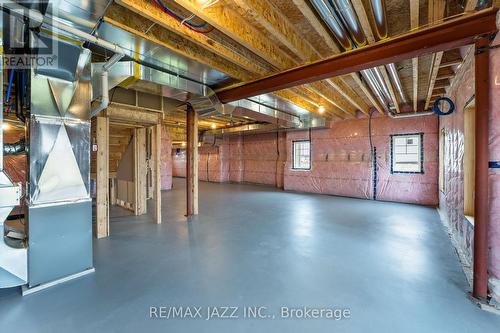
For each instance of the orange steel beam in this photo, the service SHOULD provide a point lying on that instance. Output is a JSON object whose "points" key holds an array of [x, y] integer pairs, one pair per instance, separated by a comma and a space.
{"points": [[447, 35], [481, 200]]}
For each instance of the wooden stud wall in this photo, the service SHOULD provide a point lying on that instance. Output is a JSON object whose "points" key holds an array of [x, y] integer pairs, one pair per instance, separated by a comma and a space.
{"points": [[102, 169]]}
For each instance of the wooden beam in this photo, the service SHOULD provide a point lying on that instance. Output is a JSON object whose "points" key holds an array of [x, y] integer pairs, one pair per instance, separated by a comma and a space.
{"points": [[316, 24], [436, 14], [102, 182], [367, 92], [156, 169], [450, 63], [283, 30], [436, 11], [279, 26], [140, 202], [229, 22], [445, 73], [363, 20], [367, 29], [204, 42], [132, 114], [414, 24], [447, 35], [192, 162], [234, 26], [470, 5], [436, 60], [199, 47], [388, 83], [337, 83]]}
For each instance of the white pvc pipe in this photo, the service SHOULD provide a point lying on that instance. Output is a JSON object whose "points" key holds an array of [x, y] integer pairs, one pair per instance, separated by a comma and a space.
{"points": [[410, 115]]}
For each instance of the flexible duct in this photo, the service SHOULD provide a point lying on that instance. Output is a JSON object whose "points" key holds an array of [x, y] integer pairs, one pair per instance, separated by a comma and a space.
{"points": [[14, 148], [334, 23], [374, 85], [341, 18], [393, 73], [350, 19], [378, 9]]}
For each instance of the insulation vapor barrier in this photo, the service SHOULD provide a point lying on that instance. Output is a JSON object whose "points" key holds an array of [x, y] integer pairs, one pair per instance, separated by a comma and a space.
{"points": [[452, 129], [342, 164], [341, 160], [494, 173]]}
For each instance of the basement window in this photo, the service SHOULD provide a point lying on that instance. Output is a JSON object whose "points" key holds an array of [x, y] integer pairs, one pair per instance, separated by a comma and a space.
{"points": [[301, 155], [407, 154]]}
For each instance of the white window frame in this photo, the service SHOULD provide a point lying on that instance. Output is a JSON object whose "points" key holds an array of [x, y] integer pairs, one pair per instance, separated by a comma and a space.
{"points": [[295, 163], [418, 153]]}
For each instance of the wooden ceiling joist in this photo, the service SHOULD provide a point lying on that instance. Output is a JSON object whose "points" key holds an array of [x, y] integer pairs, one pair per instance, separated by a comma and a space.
{"points": [[436, 60], [450, 63], [316, 24], [470, 5], [234, 26], [130, 17], [436, 14], [414, 24], [368, 32], [445, 73], [450, 34], [337, 83]]}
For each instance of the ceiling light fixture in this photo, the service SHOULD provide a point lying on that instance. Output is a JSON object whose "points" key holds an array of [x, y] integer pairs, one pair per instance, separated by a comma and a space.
{"points": [[321, 109]]}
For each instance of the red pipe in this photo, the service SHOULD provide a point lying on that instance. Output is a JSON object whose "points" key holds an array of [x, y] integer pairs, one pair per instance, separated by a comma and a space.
{"points": [[481, 200]]}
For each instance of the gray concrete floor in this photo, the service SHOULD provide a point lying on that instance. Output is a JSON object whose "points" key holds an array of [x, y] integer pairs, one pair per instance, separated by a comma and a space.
{"points": [[391, 264]]}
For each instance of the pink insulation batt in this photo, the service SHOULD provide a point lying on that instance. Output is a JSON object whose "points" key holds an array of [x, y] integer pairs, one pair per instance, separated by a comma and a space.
{"points": [[341, 161]]}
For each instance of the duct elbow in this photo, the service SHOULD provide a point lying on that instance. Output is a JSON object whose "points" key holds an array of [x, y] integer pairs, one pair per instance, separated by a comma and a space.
{"points": [[104, 94]]}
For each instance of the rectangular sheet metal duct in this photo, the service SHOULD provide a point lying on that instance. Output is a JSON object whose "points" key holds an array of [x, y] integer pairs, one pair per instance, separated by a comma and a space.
{"points": [[58, 195]]}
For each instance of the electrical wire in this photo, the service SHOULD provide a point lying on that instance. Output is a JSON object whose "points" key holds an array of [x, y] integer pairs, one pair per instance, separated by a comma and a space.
{"points": [[184, 21]]}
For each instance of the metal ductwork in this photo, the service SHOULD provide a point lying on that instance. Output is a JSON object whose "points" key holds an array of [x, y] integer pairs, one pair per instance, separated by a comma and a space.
{"points": [[341, 12], [200, 96], [333, 22], [378, 10], [59, 237], [347, 14], [393, 73], [370, 78]]}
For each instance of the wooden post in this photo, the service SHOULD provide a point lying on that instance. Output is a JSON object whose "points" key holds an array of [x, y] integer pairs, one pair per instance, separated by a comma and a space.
{"points": [[112, 190], [192, 162], [140, 168], [156, 170], [102, 169]]}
